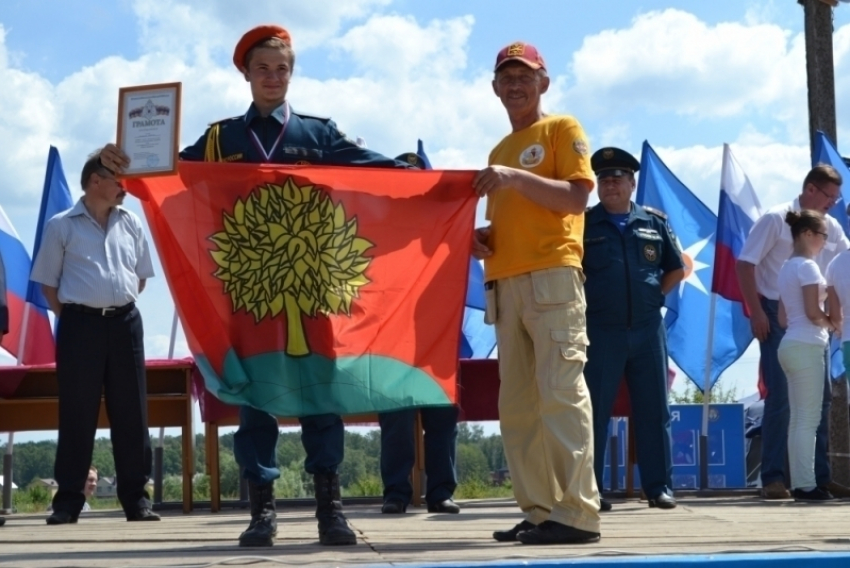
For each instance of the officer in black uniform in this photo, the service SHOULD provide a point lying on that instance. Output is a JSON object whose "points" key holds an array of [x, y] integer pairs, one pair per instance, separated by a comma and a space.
{"points": [[272, 132], [398, 450], [631, 260]]}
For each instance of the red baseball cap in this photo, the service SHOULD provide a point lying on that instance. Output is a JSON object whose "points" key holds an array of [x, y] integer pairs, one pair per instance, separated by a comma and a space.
{"points": [[523, 52], [254, 36]]}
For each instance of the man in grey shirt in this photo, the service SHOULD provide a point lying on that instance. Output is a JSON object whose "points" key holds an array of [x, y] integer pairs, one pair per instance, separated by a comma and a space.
{"points": [[92, 265]]}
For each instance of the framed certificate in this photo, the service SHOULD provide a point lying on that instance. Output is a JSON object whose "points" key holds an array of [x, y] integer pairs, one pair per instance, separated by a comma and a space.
{"points": [[149, 128]]}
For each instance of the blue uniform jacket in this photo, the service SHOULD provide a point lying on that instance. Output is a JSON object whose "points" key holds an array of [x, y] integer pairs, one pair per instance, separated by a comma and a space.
{"points": [[306, 140], [623, 271]]}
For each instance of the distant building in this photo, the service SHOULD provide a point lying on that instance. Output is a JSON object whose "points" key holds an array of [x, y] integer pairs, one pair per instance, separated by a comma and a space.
{"points": [[106, 488], [48, 483], [500, 476], [14, 487]]}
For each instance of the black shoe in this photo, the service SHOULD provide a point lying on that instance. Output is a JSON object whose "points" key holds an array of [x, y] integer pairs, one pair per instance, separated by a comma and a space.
{"points": [[510, 535], [816, 495], [393, 507], [836, 490], [2, 521], [263, 527], [334, 531], [447, 506], [550, 532], [333, 527], [605, 505], [61, 518], [143, 514], [663, 501]]}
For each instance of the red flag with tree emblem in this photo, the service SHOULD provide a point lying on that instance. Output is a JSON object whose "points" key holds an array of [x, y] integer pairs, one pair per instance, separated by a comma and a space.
{"points": [[307, 290]]}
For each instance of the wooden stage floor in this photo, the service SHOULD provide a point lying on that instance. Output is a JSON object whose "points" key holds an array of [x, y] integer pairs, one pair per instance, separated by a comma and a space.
{"points": [[699, 525]]}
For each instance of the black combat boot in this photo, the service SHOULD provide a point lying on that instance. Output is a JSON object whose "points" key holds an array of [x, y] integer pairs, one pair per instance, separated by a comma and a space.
{"points": [[263, 527], [333, 528]]}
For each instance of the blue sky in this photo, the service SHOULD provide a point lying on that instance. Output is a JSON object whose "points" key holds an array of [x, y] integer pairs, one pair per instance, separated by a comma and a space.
{"points": [[688, 76]]}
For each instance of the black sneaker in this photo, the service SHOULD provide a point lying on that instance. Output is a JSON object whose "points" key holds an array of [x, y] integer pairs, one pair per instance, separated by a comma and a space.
{"points": [[550, 532], [511, 534], [605, 505], [814, 496]]}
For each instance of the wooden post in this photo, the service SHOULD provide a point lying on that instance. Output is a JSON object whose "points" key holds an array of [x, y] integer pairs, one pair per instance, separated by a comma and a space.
{"points": [[820, 69], [820, 72]]}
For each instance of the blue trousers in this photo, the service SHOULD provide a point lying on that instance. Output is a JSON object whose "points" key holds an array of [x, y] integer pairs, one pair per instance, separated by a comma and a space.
{"points": [[255, 444], [639, 354], [398, 452], [774, 424]]}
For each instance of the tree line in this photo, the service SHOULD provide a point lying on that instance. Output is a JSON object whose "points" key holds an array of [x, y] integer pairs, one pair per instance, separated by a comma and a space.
{"points": [[477, 456]]}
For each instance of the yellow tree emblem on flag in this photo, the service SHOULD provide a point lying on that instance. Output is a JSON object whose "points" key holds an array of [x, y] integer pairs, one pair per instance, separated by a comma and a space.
{"points": [[288, 248]]}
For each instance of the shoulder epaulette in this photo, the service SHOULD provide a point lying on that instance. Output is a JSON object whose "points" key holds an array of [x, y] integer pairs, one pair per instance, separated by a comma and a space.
{"points": [[241, 116], [308, 115], [655, 212]]}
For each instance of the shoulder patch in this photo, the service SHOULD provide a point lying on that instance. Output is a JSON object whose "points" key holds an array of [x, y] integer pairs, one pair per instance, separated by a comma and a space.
{"points": [[655, 212], [580, 147]]}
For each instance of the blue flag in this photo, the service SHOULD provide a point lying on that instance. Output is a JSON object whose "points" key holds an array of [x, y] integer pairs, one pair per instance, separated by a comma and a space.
{"points": [[825, 153], [55, 198], [688, 305], [477, 339]]}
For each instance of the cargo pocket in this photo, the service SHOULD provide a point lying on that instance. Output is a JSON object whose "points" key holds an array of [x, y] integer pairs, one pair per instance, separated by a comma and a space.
{"points": [[553, 285], [569, 354]]}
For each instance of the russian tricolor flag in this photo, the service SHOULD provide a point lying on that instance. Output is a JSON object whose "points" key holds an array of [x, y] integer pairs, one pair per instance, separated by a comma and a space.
{"points": [[37, 340], [30, 338], [737, 213]]}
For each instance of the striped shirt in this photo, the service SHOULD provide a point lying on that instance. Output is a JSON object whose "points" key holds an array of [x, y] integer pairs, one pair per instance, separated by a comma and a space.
{"points": [[90, 266]]}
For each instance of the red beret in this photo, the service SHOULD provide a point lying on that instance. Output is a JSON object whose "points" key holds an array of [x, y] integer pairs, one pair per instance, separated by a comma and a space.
{"points": [[255, 36]]}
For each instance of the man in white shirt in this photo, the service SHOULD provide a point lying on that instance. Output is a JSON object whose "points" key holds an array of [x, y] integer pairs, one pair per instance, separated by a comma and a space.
{"points": [[767, 247]]}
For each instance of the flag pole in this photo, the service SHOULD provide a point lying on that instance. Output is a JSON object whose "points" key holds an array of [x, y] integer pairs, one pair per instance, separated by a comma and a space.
{"points": [[7, 475], [22, 340], [706, 397], [171, 343], [160, 449]]}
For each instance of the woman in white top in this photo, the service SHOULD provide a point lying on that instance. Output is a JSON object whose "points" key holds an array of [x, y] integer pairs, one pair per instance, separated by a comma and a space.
{"points": [[802, 291]]}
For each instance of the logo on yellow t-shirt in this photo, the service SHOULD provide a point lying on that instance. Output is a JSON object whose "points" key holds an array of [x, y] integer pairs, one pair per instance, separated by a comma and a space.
{"points": [[580, 146], [532, 156]]}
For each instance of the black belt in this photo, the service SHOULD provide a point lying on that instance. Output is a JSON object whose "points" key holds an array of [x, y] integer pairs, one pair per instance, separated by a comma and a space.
{"points": [[105, 312]]}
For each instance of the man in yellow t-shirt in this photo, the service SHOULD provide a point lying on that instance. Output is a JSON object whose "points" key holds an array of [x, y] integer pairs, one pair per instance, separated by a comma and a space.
{"points": [[537, 185]]}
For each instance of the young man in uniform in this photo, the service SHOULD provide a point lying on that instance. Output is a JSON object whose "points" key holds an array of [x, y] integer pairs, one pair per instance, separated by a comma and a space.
{"points": [[537, 186], [272, 132], [93, 263], [631, 261]]}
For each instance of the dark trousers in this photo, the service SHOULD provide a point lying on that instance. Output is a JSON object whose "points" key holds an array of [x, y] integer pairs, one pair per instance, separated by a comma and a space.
{"points": [[255, 444], [639, 354], [398, 452], [94, 355], [777, 413]]}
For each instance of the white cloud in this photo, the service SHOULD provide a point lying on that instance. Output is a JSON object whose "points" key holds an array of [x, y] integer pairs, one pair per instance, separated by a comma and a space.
{"points": [[205, 28], [672, 62]]}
